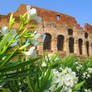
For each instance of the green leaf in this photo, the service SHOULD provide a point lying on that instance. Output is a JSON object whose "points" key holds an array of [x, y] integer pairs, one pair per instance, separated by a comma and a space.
{"points": [[4, 90], [17, 65], [8, 58], [46, 79], [4, 41], [79, 85], [11, 22], [58, 89]]}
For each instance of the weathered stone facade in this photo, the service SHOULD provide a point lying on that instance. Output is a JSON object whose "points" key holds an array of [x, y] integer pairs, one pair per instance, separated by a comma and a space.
{"points": [[61, 33]]}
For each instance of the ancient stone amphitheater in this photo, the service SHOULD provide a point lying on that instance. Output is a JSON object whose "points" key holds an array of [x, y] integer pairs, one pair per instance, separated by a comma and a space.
{"points": [[60, 33]]}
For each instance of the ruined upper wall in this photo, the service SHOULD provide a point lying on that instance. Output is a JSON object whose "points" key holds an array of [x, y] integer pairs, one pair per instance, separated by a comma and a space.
{"points": [[50, 16], [88, 28]]}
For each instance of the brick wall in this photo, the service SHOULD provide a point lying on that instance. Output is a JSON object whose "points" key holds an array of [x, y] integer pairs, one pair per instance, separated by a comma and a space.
{"points": [[88, 28]]}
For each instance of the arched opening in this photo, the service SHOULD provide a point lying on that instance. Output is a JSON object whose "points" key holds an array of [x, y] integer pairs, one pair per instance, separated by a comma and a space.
{"points": [[60, 42], [87, 47], [71, 45], [47, 41], [70, 32], [86, 35], [80, 46]]}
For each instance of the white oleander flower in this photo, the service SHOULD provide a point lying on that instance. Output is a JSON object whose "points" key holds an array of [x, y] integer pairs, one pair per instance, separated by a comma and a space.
{"points": [[44, 64], [86, 75], [76, 62], [20, 90], [46, 91], [30, 11], [13, 33], [35, 42], [4, 30], [51, 56], [88, 90], [79, 66], [37, 36], [30, 53], [66, 89], [90, 70], [4, 58], [34, 38], [32, 14], [67, 79]]}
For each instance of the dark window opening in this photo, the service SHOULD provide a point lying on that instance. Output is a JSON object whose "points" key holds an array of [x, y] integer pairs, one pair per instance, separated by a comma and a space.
{"points": [[87, 47], [71, 45], [86, 35], [80, 46], [70, 32], [47, 41], [60, 42], [58, 17]]}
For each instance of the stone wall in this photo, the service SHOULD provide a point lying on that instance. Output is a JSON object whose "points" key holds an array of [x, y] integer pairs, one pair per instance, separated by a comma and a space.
{"points": [[62, 33]]}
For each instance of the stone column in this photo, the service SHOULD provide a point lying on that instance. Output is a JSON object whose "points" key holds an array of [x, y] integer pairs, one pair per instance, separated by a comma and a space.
{"points": [[76, 47], [66, 45], [90, 49], [54, 44], [40, 46], [84, 48]]}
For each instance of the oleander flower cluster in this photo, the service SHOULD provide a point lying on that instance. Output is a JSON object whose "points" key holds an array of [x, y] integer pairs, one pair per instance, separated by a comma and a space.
{"points": [[78, 66], [65, 78], [31, 53], [85, 74]]}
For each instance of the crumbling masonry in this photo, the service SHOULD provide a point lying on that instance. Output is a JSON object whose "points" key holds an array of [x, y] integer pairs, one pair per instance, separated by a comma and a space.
{"points": [[60, 33]]}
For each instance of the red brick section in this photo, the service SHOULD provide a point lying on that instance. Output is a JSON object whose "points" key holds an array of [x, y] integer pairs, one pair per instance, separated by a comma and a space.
{"points": [[47, 16], [50, 16], [88, 28]]}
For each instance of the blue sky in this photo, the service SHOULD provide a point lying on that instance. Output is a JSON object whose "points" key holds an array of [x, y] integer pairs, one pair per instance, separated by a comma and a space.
{"points": [[80, 9]]}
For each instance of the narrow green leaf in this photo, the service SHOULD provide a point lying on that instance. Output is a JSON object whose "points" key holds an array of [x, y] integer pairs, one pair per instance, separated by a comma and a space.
{"points": [[8, 58], [58, 89], [4, 41], [4, 90], [79, 85]]}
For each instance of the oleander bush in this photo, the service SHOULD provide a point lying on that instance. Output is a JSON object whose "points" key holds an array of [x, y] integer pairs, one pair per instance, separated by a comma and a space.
{"points": [[21, 70]]}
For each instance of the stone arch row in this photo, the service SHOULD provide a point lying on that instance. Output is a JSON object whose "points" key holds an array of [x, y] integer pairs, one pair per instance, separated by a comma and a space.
{"points": [[60, 43]]}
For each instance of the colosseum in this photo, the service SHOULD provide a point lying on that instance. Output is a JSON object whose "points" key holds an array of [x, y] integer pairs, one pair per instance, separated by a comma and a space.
{"points": [[60, 33]]}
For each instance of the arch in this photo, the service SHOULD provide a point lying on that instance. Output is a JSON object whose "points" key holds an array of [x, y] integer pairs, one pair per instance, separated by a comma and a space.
{"points": [[71, 45], [70, 32], [86, 35], [80, 43], [47, 41], [60, 42], [87, 48]]}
